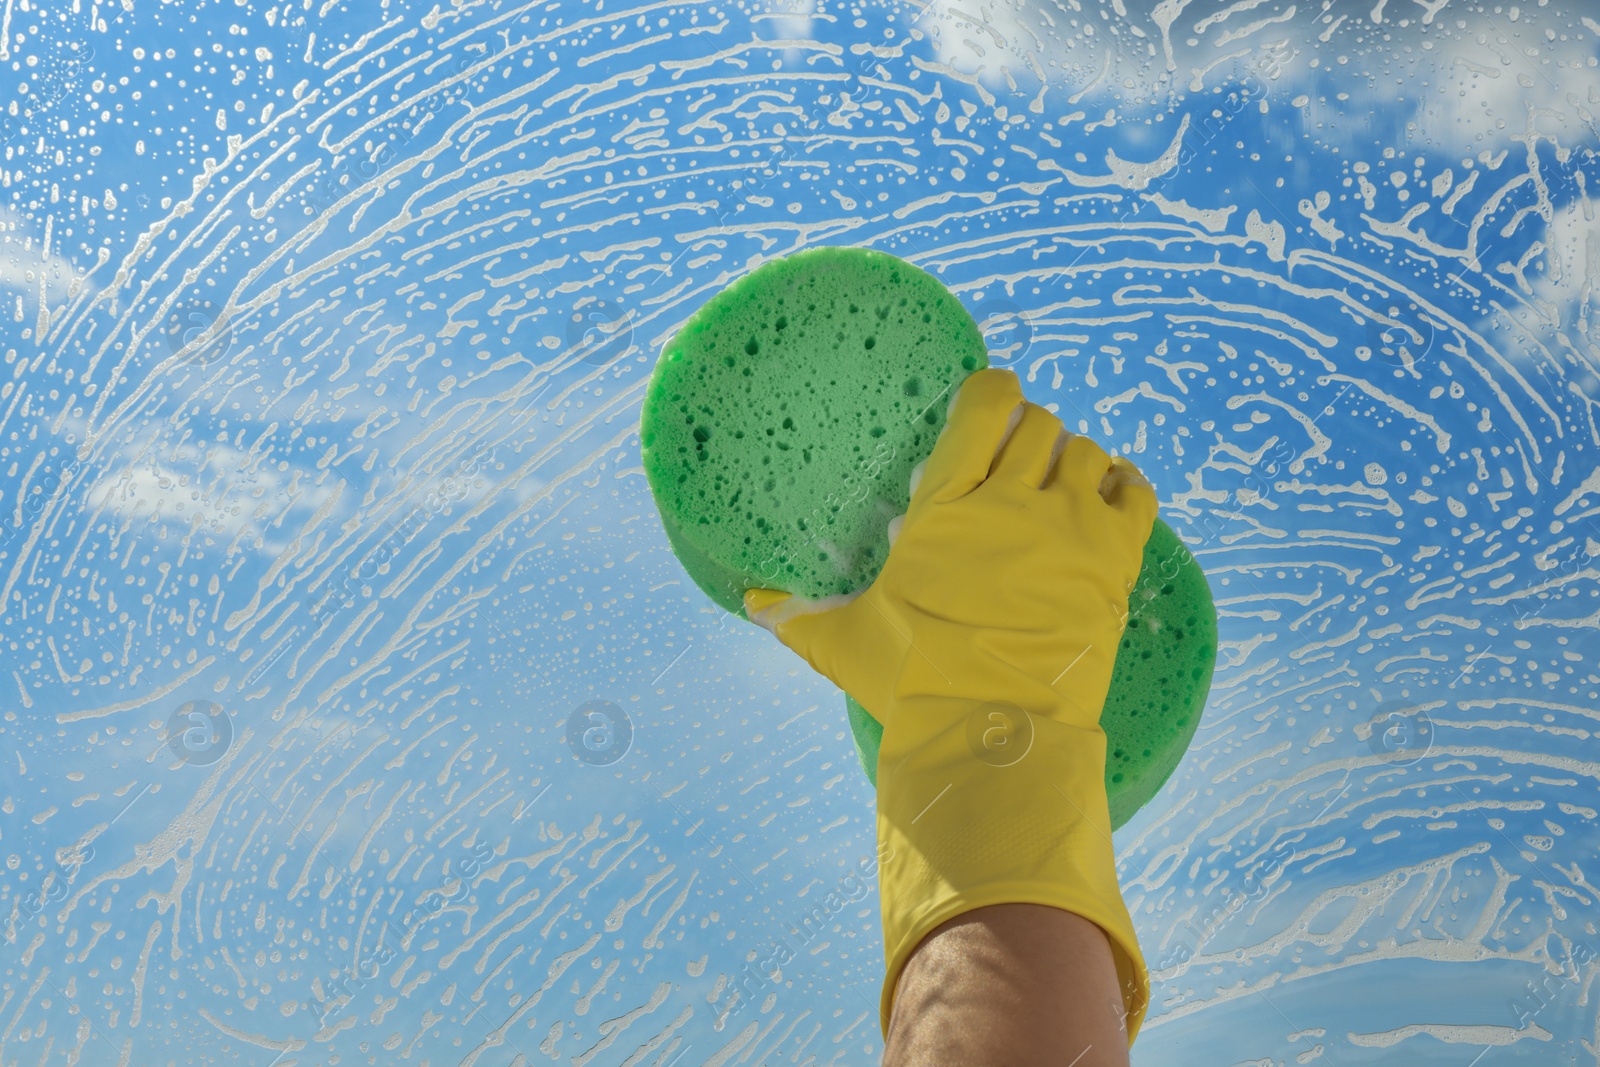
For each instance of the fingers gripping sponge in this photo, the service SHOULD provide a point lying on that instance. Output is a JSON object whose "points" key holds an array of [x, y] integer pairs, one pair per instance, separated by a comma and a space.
{"points": [[1158, 685], [779, 432]]}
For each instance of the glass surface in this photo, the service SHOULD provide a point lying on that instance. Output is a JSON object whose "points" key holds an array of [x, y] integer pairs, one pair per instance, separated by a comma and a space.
{"points": [[357, 712]]}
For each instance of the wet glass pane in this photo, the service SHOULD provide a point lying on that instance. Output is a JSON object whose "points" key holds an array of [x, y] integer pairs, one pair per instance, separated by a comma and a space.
{"points": [[357, 711]]}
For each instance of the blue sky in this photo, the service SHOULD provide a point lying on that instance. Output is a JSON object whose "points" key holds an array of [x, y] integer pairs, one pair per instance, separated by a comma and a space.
{"points": [[399, 368]]}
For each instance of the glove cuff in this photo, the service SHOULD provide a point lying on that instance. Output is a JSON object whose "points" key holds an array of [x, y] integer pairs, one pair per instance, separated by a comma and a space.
{"points": [[963, 826], [1132, 976]]}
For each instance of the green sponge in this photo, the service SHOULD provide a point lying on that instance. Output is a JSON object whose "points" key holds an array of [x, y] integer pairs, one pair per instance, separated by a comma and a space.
{"points": [[779, 432]]}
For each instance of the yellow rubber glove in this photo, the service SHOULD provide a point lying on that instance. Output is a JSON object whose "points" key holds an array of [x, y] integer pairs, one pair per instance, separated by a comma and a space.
{"points": [[985, 648]]}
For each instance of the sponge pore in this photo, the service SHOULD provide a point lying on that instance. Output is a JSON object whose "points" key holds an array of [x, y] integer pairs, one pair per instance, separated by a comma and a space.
{"points": [[782, 421], [778, 435]]}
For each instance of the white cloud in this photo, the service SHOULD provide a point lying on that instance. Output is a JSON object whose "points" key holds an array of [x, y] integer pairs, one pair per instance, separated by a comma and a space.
{"points": [[26, 263], [1572, 252], [220, 493], [1566, 284]]}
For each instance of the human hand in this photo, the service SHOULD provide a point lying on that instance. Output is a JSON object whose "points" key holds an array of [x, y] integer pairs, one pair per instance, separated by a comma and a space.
{"points": [[985, 648]]}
